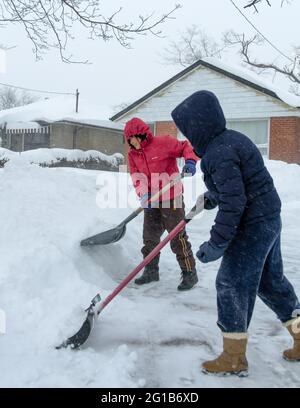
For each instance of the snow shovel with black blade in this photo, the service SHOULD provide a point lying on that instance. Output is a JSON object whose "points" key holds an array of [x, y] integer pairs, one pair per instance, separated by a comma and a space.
{"points": [[97, 305], [115, 234]]}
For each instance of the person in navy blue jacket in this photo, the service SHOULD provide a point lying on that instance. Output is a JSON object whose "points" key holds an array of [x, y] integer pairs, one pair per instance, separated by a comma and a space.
{"points": [[246, 232]]}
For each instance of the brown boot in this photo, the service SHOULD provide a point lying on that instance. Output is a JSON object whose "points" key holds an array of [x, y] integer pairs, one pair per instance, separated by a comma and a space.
{"points": [[293, 327], [233, 359]]}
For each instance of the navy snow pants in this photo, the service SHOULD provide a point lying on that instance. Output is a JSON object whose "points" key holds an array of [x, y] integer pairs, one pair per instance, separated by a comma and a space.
{"points": [[252, 265]]}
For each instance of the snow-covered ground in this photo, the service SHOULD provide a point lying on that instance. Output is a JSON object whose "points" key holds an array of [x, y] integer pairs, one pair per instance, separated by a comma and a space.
{"points": [[150, 336]]}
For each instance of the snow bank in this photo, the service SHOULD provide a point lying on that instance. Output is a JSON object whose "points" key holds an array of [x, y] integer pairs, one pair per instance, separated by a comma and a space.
{"points": [[52, 156], [46, 280]]}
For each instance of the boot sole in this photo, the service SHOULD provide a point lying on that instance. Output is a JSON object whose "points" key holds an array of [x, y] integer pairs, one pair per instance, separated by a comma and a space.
{"points": [[145, 283], [296, 360], [183, 289], [241, 374]]}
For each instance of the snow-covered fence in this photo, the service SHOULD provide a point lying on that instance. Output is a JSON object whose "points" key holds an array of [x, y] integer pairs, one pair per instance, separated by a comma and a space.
{"points": [[91, 159], [19, 138]]}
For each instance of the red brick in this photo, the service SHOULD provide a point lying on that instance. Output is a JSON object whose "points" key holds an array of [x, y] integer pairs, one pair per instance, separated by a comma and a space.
{"points": [[285, 139], [166, 128]]}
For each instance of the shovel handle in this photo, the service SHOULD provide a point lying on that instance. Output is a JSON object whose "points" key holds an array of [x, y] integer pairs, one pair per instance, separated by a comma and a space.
{"points": [[166, 188], [154, 198]]}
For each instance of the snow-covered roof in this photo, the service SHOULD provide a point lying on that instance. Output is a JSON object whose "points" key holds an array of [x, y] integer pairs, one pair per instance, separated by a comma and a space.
{"points": [[287, 97], [235, 72], [22, 125], [59, 109]]}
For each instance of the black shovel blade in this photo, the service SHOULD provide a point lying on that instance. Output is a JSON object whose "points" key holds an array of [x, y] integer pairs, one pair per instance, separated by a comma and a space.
{"points": [[82, 335], [106, 237]]}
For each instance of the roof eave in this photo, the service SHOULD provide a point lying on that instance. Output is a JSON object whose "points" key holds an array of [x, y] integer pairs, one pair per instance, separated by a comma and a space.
{"points": [[70, 122]]}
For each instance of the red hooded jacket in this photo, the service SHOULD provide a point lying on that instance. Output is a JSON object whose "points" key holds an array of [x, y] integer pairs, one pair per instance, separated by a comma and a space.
{"points": [[155, 165]]}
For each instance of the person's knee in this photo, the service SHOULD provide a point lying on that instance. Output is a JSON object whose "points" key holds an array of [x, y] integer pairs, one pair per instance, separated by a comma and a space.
{"points": [[149, 246], [151, 237], [224, 283]]}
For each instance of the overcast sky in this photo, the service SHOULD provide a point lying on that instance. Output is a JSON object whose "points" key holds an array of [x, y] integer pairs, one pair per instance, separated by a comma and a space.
{"points": [[119, 75]]}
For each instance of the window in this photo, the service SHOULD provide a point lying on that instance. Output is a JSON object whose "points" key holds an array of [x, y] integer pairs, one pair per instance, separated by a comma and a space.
{"points": [[256, 130]]}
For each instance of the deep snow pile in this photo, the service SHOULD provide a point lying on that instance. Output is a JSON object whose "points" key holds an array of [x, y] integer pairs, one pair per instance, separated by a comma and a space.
{"points": [[149, 336], [46, 280]]}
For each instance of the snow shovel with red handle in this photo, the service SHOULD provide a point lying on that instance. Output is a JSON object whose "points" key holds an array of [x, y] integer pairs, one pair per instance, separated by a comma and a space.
{"points": [[115, 234], [97, 305]]}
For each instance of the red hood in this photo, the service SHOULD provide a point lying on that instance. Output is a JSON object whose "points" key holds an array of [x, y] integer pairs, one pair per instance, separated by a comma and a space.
{"points": [[136, 126]]}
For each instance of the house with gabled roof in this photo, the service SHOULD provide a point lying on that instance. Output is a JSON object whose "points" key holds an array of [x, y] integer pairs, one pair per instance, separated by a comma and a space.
{"points": [[265, 113]]}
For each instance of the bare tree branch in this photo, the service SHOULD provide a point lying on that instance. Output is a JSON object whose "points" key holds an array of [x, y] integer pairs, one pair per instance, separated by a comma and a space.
{"points": [[51, 24], [11, 98], [192, 45], [290, 71], [253, 3]]}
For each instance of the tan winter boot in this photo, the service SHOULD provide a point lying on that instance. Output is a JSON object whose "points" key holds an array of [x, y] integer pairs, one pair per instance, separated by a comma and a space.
{"points": [[293, 327], [233, 359]]}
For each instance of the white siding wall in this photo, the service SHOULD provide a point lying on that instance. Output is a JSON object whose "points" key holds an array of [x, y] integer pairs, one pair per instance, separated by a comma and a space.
{"points": [[238, 101]]}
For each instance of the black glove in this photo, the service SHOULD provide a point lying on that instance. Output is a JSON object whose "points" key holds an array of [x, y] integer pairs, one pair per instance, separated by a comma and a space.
{"points": [[210, 200]]}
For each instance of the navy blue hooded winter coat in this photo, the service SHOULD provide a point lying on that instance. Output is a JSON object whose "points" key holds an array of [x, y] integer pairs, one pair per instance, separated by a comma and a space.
{"points": [[232, 165]]}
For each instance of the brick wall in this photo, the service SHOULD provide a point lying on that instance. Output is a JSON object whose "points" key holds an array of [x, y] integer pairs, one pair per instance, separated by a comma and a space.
{"points": [[285, 139], [166, 128]]}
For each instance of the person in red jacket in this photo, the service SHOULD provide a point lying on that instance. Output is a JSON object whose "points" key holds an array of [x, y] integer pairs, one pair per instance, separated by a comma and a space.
{"points": [[152, 162]]}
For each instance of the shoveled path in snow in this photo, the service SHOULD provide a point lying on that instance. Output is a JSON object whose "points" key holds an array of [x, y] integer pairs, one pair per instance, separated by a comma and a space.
{"points": [[173, 332]]}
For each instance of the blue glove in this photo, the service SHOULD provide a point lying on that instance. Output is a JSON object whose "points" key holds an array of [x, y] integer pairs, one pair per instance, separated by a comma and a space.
{"points": [[210, 200], [144, 201], [189, 167], [209, 252]]}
